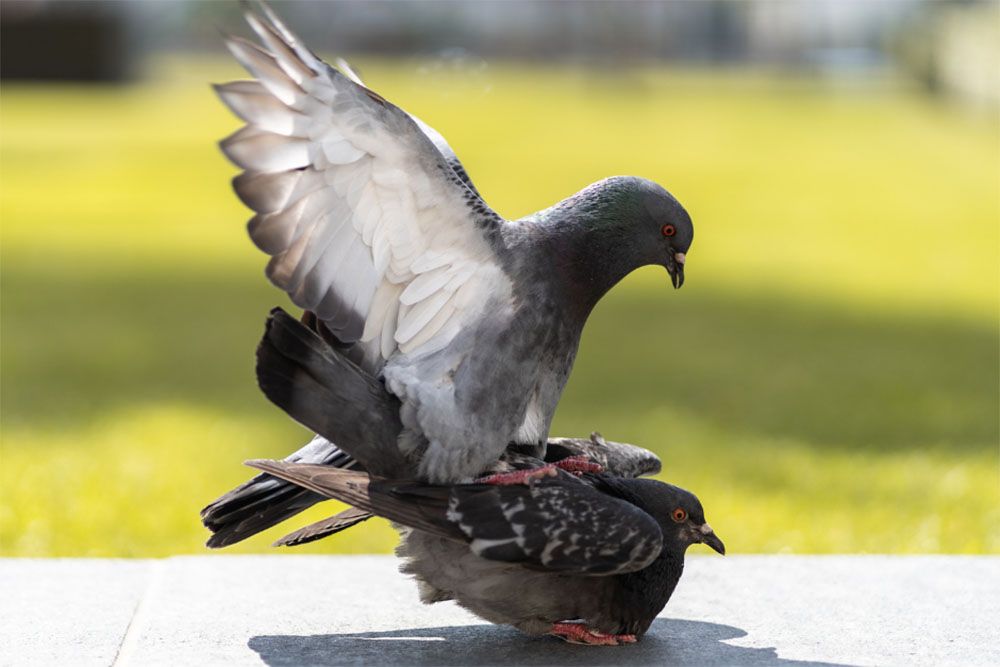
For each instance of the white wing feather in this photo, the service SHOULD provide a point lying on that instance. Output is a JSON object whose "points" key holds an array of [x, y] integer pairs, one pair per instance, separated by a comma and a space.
{"points": [[366, 223]]}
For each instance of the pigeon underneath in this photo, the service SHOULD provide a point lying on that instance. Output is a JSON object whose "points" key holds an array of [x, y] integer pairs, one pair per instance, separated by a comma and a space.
{"points": [[372, 224], [592, 559]]}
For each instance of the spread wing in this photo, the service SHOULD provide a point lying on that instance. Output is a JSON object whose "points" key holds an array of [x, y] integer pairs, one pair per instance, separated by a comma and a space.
{"points": [[557, 524], [367, 223]]}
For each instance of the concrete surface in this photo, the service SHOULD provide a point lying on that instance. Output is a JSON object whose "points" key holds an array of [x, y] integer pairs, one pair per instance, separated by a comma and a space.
{"points": [[343, 610]]}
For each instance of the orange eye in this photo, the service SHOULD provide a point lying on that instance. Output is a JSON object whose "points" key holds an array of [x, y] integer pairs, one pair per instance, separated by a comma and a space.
{"points": [[668, 230], [679, 515]]}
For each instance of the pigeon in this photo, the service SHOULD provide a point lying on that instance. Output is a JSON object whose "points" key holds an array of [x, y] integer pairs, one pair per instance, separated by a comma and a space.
{"points": [[592, 559], [470, 321], [319, 387]]}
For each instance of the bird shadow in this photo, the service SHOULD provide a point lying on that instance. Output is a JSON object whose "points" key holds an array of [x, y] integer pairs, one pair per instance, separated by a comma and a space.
{"points": [[668, 641]]}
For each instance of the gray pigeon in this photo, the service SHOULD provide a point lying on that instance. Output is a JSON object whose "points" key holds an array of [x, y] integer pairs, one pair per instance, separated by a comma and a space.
{"points": [[319, 387], [603, 550], [471, 321]]}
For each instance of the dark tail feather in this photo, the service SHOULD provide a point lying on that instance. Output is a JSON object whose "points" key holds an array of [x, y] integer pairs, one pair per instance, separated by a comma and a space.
{"points": [[315, 531], [256, 505], [265, 500], [409, 503], [321, 388], [325, 391]]}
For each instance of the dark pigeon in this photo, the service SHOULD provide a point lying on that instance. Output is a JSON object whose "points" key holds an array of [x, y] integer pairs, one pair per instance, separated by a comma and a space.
{"points": [[602, 550], [321, 388], [471, 321]]}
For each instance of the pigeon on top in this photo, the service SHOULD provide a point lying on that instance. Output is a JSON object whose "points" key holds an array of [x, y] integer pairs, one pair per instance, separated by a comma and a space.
{"points": [[471, 321], [603, 550]]}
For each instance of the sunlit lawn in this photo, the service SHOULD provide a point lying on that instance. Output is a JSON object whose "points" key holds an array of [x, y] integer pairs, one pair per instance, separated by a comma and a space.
{"points": [[826, 381]]}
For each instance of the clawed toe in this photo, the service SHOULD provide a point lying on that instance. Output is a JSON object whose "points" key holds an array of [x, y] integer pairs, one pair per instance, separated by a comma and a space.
{"points": [[519, 476], [578, 464], [579, 633]]}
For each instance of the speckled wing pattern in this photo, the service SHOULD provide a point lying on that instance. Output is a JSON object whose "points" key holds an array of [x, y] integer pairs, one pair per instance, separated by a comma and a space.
{"points": [[367, 223], [559, 524]]}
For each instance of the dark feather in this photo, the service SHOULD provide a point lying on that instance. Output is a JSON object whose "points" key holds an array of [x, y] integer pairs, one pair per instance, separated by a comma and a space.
{"points": [[326, 392], [559, 525], [324, 528], [266, 501]]}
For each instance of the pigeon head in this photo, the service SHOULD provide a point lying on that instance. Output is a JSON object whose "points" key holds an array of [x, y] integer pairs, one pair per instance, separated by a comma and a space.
{"points": [[665, 230], [677, 511], [611, 228]]}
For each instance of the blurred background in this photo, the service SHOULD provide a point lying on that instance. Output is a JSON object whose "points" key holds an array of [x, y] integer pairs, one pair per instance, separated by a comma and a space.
{"points": [[826, 380]]}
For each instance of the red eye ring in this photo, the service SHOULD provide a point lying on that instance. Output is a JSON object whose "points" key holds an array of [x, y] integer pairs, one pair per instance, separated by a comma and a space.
{"points": [[678, 515], [669, 230]]}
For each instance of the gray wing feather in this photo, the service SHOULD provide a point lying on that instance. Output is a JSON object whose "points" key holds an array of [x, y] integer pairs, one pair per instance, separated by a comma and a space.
{"points": [[558, 525]]}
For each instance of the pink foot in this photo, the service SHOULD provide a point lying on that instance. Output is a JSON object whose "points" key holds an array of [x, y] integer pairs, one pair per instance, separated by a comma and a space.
{"points": [[579, 633], [578, 464], [519, 476]]}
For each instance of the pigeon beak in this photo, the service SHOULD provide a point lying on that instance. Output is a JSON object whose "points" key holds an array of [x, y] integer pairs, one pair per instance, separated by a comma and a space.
{"points": [[675, 268], [708, 537]]}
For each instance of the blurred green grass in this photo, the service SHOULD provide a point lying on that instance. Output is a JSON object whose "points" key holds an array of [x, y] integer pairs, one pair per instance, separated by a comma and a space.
{"points": [[826, 381]]}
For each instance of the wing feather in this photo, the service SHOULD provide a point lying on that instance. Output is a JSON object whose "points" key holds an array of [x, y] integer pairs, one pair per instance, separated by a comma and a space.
{"points": [[350, 195], [426, 284], [370, 221], [265, 67], [255, 149], [266, 193], [556, 525], [419, 315]]}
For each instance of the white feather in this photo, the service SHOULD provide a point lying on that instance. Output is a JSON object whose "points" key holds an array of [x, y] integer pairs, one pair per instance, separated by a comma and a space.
{"points": [[263, 66], [286, 57], [266, 193], [253, 103], [428, 333], [426, 284], [354, 203], [418, 315], [256, 150]]}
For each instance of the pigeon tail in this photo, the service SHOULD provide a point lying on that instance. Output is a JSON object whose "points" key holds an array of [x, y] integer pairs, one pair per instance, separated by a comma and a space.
{"points": [[265, 500], [322, 389], [352, 516]]}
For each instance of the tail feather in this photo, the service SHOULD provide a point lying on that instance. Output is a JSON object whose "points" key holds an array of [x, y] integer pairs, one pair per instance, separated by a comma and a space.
{"points": [[324, 528], [322, 389], [256, 505], [265, 500], [316, 384], [424, 507]]}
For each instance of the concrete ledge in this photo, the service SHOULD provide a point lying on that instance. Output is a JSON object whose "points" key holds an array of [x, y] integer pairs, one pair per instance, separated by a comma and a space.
{"points": [[344, 610]]}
